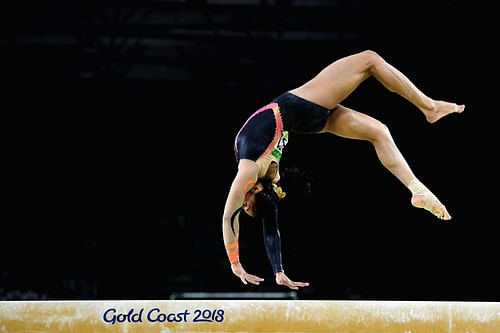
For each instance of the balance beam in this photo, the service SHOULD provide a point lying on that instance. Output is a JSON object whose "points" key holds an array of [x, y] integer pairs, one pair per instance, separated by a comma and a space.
{"points": [[249, 316]]}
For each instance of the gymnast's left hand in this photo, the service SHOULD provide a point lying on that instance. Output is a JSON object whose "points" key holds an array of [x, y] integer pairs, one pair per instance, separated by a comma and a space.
{"points": [[283, 280], [245, 277]]}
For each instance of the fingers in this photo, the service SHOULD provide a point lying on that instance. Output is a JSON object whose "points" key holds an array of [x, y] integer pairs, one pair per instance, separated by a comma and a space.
{"points": [[253, 279], [296, 285], [291, 284], [244, 276], [256, 280], [249, 278], [301, 284]]}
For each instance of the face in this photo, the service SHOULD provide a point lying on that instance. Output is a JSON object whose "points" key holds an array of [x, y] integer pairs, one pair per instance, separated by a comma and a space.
{"points": [[273, 172], [249, 203]]}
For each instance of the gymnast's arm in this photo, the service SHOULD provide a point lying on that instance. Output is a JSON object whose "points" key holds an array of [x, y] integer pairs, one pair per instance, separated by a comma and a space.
{"points": [[272, 242], [245, 179]]}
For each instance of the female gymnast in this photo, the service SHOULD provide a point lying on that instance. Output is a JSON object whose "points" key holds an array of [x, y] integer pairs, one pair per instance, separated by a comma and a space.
{"points": [[315, 107]]}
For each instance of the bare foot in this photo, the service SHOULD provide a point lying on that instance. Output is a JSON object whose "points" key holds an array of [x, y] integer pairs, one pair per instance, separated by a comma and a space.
{"points": [[432, 204], [441, 109]]}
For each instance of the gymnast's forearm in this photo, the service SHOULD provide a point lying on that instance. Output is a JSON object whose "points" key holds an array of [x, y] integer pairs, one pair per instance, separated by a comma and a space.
{"points": [[230, 231], [230, 223], [272, 242]]}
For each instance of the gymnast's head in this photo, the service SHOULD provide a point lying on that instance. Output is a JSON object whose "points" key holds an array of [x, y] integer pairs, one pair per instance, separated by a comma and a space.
{"points": [[262, 199], [267, 193]]}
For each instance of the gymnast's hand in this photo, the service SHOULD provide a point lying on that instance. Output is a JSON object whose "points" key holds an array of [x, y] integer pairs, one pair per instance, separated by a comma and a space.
{"points": [[283, 280], [244, 276]]}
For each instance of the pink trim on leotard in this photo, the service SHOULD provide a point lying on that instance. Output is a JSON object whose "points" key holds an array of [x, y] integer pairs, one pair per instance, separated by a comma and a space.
{"points": [[277, 132]]}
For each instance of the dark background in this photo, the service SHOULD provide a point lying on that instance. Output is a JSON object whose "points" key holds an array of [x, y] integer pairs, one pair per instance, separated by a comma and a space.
{"points": [[119, 119]]}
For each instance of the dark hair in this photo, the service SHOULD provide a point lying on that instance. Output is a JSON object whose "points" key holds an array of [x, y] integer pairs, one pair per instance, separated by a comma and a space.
{"points": [[295, 185], [266, 200]]}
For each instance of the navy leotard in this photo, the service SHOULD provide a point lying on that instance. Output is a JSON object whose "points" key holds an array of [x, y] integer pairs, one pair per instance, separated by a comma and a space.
{"points": [[264, 129]]}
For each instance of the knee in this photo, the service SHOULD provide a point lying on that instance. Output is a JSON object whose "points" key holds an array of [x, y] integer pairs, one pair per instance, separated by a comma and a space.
{"points": [[371, 58], [371, 129], [381, 133]]}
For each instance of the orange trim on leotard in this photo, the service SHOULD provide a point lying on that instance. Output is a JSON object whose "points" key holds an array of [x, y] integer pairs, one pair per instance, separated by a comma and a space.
{"points": [[234, 257], [279, 126], [233, 252], [277, 132], [248, 185], [233, 245]]}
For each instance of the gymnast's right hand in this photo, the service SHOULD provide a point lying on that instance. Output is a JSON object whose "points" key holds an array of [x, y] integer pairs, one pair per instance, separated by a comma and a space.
{"points": [[240, 272]]}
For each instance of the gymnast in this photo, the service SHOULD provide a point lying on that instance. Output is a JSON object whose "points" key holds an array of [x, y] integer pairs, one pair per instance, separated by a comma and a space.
{"points": [[315, 107]]}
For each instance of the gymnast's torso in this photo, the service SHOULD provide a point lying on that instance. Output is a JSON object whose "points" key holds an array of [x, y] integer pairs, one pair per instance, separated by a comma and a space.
{"points": [[265, 133]]}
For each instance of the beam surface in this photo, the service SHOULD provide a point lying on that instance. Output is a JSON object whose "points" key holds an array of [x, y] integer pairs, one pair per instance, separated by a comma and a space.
{"points": [[249, 316]]}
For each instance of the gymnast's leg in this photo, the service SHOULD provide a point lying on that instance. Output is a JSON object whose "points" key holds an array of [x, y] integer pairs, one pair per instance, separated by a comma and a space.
{"points": [[351, 124], [339, 79]]}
